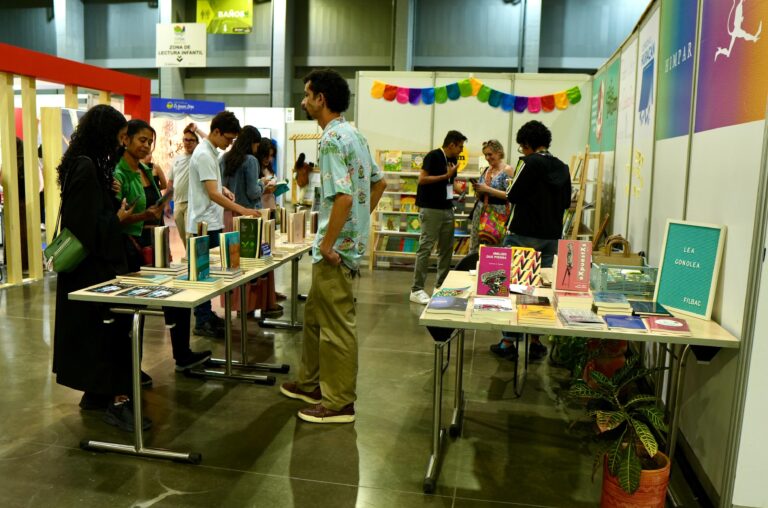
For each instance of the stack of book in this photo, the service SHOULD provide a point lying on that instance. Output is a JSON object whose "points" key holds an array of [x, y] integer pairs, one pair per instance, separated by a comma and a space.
{"points": [[535, 310], [445, 306], [572, 300], [668, 325], [494, 309], [251, 231], [174, 269], [144, 277], [624, 323], [580, 318], [611, 303]]}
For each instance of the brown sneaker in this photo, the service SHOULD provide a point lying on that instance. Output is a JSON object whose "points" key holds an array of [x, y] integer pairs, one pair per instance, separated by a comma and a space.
{"points": [[321, 414], [292, 391]]}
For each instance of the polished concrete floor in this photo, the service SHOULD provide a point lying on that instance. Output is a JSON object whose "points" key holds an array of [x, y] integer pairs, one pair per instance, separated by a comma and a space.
{"points": [[512, 451]]}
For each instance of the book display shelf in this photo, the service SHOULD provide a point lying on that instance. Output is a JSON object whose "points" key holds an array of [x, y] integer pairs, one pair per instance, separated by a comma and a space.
{"points": [[395, 226]]}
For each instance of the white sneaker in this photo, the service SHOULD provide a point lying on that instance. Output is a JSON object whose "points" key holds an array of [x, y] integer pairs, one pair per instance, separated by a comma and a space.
{"points": [[420, 297]]}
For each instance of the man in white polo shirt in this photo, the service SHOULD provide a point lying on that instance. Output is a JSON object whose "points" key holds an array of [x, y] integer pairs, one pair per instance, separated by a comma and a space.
{"points": [[207, 200]]}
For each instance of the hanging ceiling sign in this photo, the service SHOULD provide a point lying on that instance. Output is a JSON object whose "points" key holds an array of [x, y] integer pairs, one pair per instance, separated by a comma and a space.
{"points": [[187, 107], [226, 16], [180, 45]]}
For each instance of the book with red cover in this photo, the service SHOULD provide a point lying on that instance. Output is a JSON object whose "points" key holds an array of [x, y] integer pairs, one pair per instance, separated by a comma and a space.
{"points": [[574, 260], [494, 265], [668, 325]]}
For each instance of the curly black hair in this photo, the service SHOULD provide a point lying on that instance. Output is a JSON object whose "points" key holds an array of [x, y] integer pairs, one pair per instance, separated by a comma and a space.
{"points": [[95, 137], [332, 85], [534, 134], [242, 147]]}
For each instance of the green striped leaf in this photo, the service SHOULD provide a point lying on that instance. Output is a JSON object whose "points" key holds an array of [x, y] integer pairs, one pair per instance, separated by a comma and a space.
{"points": [[639, 399], [655, 416], [645, 437], [614, 453], [629, 470], [609, 420], [581, 390]]}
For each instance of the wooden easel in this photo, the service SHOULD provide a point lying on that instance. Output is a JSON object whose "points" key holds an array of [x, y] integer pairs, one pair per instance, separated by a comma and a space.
{"points": [[580, 171]]}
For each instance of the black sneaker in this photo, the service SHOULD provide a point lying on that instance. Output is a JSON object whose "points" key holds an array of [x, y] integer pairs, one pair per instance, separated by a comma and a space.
{"points": [[216, 321], [537, 351], [146, 379], [208, 329], [121, 416], [193, 359], [95, 401], [508, 352]]}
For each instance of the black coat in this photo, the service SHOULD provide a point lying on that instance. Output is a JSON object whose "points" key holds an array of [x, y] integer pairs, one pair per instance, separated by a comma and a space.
{"points": [[89, 354]]}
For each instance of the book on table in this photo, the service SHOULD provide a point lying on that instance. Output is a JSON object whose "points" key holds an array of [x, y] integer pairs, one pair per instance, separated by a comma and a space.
{"points": [[607, 299], [668, 325], [173, 269], [532, 300], [448, 305], [151, 292], [535, 315], [525, 266], [494, 309], [493, 273], [625, 323], [574, 261], [144, 278], [643, 308], [111, 287], [198, 258], [229, 247], [208, 282], [161, 246], [580, 318], [522, 289], [250, 230], [457, 292], [572, 300]]}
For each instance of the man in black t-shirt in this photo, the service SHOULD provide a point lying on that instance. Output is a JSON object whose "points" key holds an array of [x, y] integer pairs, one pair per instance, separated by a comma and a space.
{"points": [[434, 197]]}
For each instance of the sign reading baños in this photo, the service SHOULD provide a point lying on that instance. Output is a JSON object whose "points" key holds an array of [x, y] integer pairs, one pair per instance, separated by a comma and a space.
{"points": [[690, 263]]}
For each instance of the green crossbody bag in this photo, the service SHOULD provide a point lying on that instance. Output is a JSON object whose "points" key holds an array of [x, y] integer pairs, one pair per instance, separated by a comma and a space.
{"points": [[65, 251]]}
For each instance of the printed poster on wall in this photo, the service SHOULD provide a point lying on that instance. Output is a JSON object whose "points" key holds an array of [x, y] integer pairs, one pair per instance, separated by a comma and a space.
{"points": [[677, 40], [605, 104], [733, 75], [642, 155], [180, 45], [226, 16], [624, 127]]}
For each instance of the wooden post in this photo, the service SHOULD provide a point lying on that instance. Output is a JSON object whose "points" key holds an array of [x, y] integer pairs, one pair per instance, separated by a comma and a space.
{"points": [[70, 96], [105, 98], [31, 178], [11, 225], [50, 126]]}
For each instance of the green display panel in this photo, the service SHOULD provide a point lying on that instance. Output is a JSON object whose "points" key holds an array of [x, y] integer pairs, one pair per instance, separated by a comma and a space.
{"points": [[690, 262], [226, 16]]}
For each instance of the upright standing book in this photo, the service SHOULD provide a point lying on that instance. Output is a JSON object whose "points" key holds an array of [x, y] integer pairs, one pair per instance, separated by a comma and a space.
{"points": [[230, 249], [525, 266], [574, 260], [250, 236], [493, 271], [198, 258], [161, 246]]}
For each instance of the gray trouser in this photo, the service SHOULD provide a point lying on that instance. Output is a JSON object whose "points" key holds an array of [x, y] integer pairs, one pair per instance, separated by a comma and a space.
{"points": [[436, 226]]}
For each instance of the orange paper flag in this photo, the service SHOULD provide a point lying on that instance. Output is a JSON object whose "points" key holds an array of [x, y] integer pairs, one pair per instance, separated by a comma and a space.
{"points": [[377, 90]]}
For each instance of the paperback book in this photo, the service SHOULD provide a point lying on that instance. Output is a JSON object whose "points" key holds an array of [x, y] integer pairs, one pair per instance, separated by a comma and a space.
{"points": [[525, 266], [409, 184], [408, 204], [417, 160], [493, 271], [641, 308], [580, 318], [386, 204], [535, 315], [492, 309], [574, 260], [668, 325], [626, 323], [250, 235], [112, 287], [281, 187], [144, 278], [393, 160], [161, 246], [448, 305], [199, 258], [461, 292], [151, 292], [413, 224], [390, 222], [230, 250], [573, 300]]}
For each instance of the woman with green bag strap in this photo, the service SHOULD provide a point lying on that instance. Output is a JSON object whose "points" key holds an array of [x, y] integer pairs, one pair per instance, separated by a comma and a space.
{"points": [[92, 347]]}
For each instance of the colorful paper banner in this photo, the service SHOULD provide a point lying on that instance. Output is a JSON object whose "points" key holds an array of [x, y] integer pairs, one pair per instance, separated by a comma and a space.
{"points": [[474, 87]]}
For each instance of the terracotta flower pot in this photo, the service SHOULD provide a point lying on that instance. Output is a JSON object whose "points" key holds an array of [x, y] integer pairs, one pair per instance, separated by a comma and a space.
{"points": [[652, 492], [612, 358]]}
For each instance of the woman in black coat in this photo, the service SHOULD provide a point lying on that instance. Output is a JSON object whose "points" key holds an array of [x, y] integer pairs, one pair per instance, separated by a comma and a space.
{"points": [[92, 350]]}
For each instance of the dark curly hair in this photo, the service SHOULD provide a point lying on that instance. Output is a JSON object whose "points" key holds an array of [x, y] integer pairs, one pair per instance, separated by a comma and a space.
{"points": [[226, 122], [534, 134], [332, 85], [241, 149], [95, 137]]}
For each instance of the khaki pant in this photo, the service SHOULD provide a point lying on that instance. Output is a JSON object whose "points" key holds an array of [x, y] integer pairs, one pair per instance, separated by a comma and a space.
{"points": [[180, 217], [436, 227], [329, 356]]}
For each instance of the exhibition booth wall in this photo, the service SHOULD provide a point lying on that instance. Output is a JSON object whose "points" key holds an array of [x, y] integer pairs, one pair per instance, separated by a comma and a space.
{"points": [[687, 95]]}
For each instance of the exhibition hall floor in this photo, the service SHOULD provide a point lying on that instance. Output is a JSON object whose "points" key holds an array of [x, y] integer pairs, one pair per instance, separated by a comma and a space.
{"points": [[520, 452]]}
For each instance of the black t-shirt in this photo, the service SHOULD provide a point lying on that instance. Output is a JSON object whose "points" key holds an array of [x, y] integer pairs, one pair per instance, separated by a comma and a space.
{"points": [[434, 195]]}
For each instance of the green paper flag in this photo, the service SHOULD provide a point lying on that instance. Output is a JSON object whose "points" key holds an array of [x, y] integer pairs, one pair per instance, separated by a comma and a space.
{"points": [[574, 95], [441, 94], [465, 87], [484, 93]]}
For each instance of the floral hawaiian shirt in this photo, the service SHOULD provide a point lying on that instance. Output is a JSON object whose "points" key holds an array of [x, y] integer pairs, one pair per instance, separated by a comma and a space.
{"points": [[346, 167]]}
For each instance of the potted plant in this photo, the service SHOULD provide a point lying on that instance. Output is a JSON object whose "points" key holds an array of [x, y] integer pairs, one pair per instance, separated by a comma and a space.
{"points": [[635, 472]]}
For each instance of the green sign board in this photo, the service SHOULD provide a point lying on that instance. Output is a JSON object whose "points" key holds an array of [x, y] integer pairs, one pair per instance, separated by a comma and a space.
{"points": [[226, 16], [690, 262]]}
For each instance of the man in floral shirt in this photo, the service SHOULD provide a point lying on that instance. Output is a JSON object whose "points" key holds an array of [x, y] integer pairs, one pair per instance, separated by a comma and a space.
{"points": [[351, 185]]}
